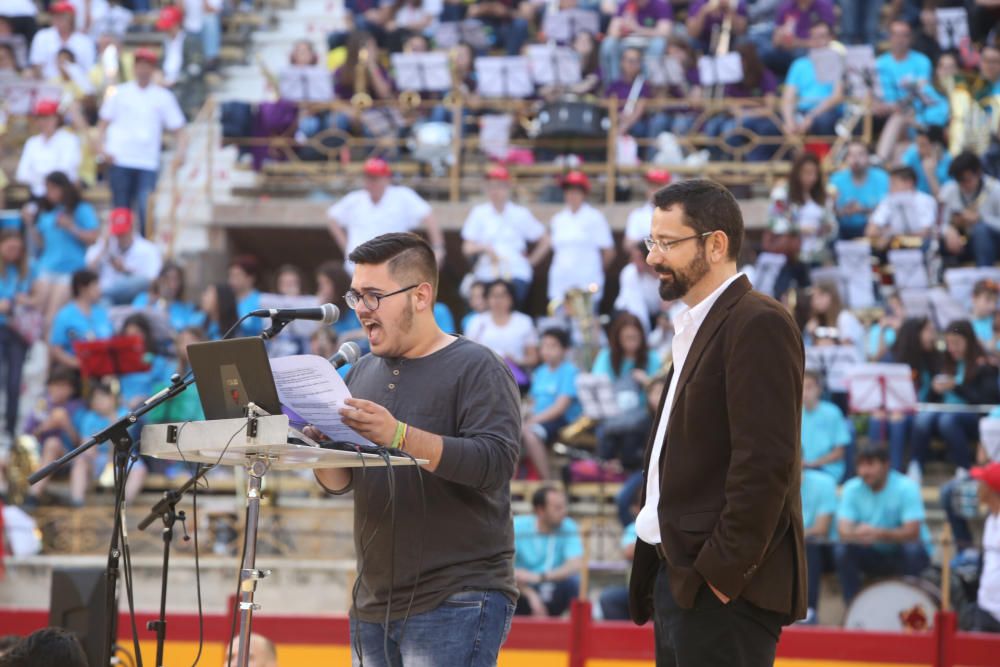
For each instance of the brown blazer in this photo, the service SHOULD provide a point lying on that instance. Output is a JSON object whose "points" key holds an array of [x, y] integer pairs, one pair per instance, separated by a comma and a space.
{"points": [[730, 506]]}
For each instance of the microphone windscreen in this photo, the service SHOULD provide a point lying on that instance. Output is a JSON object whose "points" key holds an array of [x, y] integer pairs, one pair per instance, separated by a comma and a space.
{"points": [[330, 313]]}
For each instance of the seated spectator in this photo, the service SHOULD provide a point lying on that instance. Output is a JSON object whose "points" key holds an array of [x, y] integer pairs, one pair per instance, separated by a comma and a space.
{"points": [[905, 217], [53, 149], [9, 67], [586, 47], [47, 42], [902, 74], [553, 399], [646, 21], [859, 21], [476, 299], [130, 134], [408, 19], [830, 323], [790, 33], [303, 58], [82, 319], [332, 283], [465, 87], [915, 347], [801, 224], [970, 205], [679, 117], [71, 78], [64, 227], [369, 16], [510, 30], [218, 305], [810, 105], [614, 599], [507, 332], [203, 21], [632, 92], [242, 278], [48, 647], [126, 263], [929, 159], [53, 424], [706, 19], [882, 333], [825, 434], [880, 523], [548, 555], [630, 365], [186, 406], [183, 61], [579, 238], [987, 606], [17, 276], [988, 82], [860, 187], [639, 287], [137, 386], [166, 294], [756, 92], [496, 235], [20, 15], [362, 54], [984, 312], [819, 507], [964, 377]]}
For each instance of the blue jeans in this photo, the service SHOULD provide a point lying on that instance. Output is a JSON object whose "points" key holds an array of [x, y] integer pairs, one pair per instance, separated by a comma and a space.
{"points": [[859, 21], [130, 188], [211, 36], [896, 432], [853, 560], [466, 630], [611, 55], [557, 596], [511, 34], [959, 524], [814, 570], [627, 497], [125, 289], [957, 429], [825, 124], [13, 351], [985, 244]]}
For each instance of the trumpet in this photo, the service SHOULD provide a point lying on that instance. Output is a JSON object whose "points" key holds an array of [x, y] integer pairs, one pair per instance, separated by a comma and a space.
{"points": [[409, 100], [361, 99]]}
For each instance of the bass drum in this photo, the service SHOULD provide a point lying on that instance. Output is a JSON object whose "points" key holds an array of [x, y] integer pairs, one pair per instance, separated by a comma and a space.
{"points": [[905, 604]]}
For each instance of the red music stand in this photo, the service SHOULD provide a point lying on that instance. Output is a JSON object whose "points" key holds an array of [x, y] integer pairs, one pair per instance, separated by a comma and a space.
{"points": [[111, 356], [885, 387]]}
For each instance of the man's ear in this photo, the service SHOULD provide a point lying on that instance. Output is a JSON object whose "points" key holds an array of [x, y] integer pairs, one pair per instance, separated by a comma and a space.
{"points": [[424, 296]]}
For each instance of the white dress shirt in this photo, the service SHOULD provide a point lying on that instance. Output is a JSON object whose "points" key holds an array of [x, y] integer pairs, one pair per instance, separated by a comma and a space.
{"points": [[136, 119], [577, 241], [143, 258], [508, 232], [42, 156], [686, 325], [47, 43], [906, 213]]}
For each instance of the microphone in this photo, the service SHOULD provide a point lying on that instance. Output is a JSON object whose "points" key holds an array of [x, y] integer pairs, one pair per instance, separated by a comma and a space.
{"points": [[349, 353], [325, 314]]}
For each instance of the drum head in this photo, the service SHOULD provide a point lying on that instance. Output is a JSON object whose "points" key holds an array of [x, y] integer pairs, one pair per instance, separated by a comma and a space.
{"points": [[894, 605]]}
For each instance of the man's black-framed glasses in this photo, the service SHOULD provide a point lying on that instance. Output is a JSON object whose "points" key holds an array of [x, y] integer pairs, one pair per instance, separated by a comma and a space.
{"points": [[370, 299], [665, 246]]}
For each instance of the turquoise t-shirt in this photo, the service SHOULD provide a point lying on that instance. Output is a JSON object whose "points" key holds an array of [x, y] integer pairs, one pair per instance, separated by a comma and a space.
{"points": [[543, 552], [867, 194], [933, 109], [444, 319], [548, 384], [63, 253], [602, 366], [951, 398], [895, 76], [811, 91], [180, 313], [897, 503], [252, 326], [911, 159], [629, 536], [823, 430], [71, 324], [872, 340], [143, 384], [819, 497], [12, 284], [983, 326], [347, 322]]}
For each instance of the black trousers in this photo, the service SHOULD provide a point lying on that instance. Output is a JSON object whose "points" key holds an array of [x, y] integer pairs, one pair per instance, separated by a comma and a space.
{"points": [[737, 634]]}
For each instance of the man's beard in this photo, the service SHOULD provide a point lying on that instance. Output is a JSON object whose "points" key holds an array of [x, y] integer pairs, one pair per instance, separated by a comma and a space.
{"points": [[681, 281]]}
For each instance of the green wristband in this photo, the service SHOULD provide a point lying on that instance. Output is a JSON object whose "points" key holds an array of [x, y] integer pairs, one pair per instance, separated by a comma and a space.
{"points": [[398, 438]]}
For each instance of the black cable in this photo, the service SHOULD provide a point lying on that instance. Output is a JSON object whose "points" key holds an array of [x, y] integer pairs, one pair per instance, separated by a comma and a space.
{"points": [[197, 571], [420, 551], [391, 482]]}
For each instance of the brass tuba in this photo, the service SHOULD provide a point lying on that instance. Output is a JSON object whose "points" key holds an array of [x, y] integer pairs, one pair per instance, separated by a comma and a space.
{"points": [[22, 462], [578, 306], [454, 96], [361, 99]]}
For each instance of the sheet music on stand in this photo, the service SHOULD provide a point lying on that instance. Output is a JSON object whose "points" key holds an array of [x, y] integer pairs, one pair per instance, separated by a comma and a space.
{"points": [[422, 72], [935, 303], [961, 281], [854, 261], [664, 71], [305, 83], [833, 363], [504, 77], [597, 396], [158, 319], [859, 65], [888, 387], [468, 31], [301, 328], [494, 135], [562, 26], [828, 65], [952, 27], [20, 95], [909, 270], [989, 435], [553, 65], [724, 69], [768, 266]]}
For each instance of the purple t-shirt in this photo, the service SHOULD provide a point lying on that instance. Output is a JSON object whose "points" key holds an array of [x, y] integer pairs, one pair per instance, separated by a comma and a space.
{"points": [[620, 89], [647, 14], [820, 11], [714, 18], [768, 86]]}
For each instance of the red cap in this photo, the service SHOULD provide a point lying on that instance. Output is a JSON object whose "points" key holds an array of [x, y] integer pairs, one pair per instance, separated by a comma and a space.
{"points": [[148, 55], [376, 166], [120, 221], [576, 179], [46, 107], [658, 176], [170, 17], [498, 172], [989, 474], [62, 8]]}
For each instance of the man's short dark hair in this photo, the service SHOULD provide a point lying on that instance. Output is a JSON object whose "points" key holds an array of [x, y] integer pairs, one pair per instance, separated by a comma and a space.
{"points": [[409, 256], [540, 498], [964, 163], [904, 172], [48, 647], [934, 133], [872, 451], [81, 279], [7, 642], [561, 336], [707, 207]]}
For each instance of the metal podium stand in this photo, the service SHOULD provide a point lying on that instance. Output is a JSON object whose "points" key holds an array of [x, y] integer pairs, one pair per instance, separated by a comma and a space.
{"points": [[259, 443]]}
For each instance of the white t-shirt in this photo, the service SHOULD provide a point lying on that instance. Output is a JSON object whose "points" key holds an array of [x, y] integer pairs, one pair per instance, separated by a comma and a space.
{"points": [[849, 328], [45, 49], [136, 120], [639, 294], [142, 258], [18, 8], [40, 157], [399, 210], [173, 58], [988, 598], [510, 340], [577, 241], [906, 213], [639, 224], [508, 232], [194, 13]]}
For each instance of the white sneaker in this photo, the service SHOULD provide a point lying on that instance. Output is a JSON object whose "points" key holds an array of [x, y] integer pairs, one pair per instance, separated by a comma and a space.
{"points": [[913, 472]]}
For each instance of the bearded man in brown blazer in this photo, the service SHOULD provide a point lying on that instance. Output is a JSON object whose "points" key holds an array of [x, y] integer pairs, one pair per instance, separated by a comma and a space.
{"points": [[720, 559]]}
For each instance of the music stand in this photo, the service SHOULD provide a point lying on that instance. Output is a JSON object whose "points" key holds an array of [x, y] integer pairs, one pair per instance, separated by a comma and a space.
{"points": [[111, 356], [989, 435], [504, 77], [597, 396], [468, 31], [720, 70], [305, 84], [854, 259], [554, 65], [19, 95], [961, 281], [662, 71], [768, 266], [833, 362], [908, 268], [422, 72], [828, 65], [564, 25], [935, 303], [952, 27], [159, 320], [859, 62], [881, 387]]}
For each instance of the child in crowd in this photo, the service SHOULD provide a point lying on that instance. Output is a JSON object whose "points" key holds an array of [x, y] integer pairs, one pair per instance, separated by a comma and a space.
{"points": [[103, 410], [984, 310], [825, 434], [53, 424], [477, 303], [553, 396]]}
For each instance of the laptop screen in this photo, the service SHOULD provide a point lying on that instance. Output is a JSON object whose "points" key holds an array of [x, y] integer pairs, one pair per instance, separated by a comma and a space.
{"points": [[230, 374]]}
